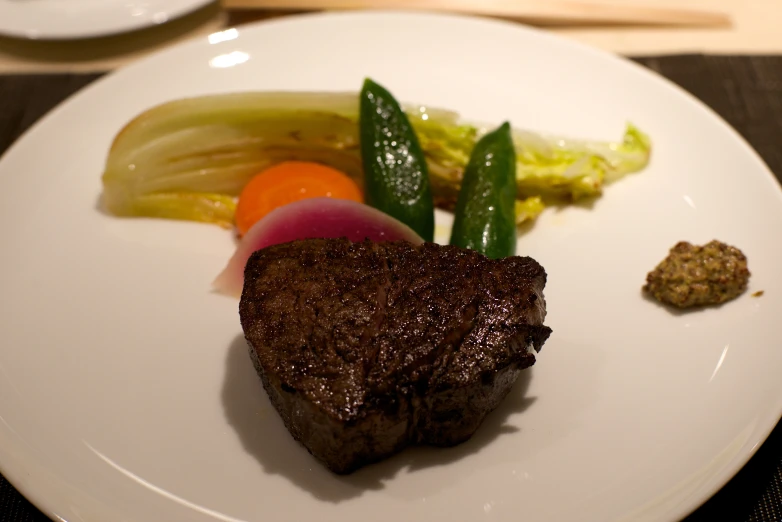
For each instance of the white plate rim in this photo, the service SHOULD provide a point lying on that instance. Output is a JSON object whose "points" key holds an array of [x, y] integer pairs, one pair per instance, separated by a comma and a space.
{"points": [[114, 26], [37, 496]]}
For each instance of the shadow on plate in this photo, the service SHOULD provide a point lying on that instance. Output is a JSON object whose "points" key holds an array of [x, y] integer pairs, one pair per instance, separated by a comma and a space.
{"points": [[263, 435], [685, 311], [585, 203]]}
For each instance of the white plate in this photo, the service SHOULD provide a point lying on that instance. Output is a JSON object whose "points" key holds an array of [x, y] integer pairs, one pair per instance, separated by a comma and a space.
{"points": [[125, 390], [67, 19]]}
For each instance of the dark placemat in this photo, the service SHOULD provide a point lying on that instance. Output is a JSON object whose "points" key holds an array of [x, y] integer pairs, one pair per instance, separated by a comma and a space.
{"points": [[746, 91]]}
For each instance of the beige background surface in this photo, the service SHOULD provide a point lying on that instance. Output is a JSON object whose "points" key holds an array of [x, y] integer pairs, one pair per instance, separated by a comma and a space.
{"points": [[757, 28]]}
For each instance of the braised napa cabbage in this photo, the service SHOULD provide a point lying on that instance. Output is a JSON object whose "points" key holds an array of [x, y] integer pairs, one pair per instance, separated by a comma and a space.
{"points": [[189, 159]]}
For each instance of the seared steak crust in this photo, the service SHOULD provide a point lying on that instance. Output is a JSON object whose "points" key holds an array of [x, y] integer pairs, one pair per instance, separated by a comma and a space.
{"points": [[365, 348]]}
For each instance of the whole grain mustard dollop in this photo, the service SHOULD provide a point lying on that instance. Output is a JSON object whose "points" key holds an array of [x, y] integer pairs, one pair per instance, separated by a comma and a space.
{"points": [[699, 275]]}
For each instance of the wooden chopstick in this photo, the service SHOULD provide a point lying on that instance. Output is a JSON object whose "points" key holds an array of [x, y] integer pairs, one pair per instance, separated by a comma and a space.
{"points": [[534, 12]]}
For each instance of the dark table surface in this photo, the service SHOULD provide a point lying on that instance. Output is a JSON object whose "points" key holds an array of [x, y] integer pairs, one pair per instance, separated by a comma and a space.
{"points": [[746, 91]]}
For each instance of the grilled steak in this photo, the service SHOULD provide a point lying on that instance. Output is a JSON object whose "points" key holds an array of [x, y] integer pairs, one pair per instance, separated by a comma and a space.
{"points": [[365, 348]]}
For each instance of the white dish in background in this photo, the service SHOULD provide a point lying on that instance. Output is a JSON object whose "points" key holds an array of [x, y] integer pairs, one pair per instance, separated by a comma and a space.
{"points": [[70, 19], [126, 393]]}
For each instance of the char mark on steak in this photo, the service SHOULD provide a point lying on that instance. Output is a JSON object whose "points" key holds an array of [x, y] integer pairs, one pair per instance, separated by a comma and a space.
{"points": [[365, 348]]}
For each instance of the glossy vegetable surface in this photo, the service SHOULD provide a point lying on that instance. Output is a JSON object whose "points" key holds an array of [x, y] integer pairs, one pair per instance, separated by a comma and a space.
{"points": [[485, 218], [288, 182], [396, 177]]}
